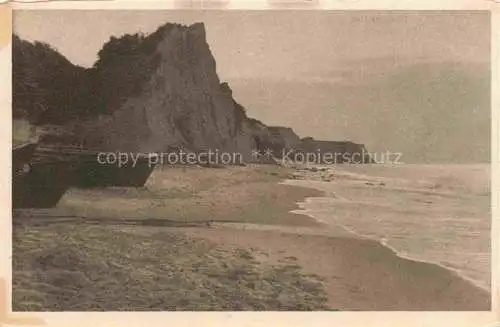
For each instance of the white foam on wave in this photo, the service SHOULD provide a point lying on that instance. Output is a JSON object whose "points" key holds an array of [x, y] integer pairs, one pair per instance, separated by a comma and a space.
{"points": [[385, 242], [327, 210]]}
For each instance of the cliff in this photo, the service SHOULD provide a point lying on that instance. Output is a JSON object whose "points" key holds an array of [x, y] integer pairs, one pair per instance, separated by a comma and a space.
{"points": [[332, 152], [144, 93], [170, 96]]}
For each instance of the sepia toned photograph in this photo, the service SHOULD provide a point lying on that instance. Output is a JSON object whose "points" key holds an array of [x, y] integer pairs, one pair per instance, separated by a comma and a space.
{"points": [[251, 160]]}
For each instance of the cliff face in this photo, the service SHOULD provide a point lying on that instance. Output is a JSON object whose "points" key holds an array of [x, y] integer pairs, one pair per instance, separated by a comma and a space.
{"points": [[331, 152], [182, 102], [275, 138], [144, 93]]}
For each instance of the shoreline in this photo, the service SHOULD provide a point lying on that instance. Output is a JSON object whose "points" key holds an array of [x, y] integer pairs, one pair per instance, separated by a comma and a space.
{"points": [[360, 274], [307, 212]]}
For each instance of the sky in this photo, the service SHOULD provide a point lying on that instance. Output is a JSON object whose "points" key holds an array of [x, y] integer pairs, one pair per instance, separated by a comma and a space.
{"points": [[416, 83]]}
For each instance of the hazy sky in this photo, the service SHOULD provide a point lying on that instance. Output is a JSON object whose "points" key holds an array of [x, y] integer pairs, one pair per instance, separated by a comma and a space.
{"points": [[410, 82]]}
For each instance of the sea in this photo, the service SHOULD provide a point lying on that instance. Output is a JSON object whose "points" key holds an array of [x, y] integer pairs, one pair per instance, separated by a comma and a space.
{"points": [[439, 214]]}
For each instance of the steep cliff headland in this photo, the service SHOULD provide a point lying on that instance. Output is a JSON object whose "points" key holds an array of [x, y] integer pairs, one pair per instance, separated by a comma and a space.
{"points": [[144, 93]]}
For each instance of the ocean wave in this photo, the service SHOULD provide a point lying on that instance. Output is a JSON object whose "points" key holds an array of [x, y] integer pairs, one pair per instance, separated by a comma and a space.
{"points": [[416, 223]]}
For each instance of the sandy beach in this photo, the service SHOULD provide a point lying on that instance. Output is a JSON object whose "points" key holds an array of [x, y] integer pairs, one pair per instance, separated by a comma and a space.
{"points": [[214, 239]]}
